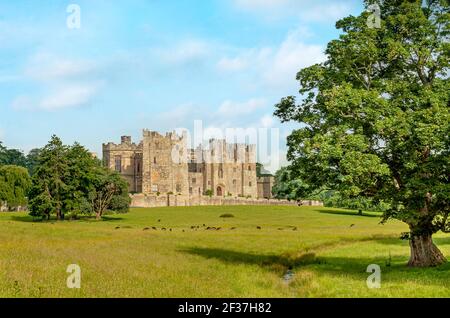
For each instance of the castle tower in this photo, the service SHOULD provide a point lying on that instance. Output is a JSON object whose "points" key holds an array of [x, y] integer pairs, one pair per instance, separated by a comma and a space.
{"points": [[165, 168], [125, 158]]}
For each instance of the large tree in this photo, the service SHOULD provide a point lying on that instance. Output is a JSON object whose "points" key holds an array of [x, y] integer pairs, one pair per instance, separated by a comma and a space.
{"points": [[50, 192], [15, 183], [376, 118]]}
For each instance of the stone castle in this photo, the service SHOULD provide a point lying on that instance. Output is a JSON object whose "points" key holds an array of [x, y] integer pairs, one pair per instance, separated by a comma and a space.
{"points": [[164, 164]]}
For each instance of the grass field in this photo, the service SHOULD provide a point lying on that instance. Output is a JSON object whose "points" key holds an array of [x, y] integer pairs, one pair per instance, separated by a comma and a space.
{"points": [[328, 255]]}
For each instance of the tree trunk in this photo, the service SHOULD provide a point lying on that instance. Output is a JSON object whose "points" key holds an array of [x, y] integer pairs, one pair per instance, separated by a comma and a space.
{"points": [[424, 253]]}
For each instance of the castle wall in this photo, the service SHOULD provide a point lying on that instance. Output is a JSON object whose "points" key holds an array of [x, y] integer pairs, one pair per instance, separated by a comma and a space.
{"points": [[150, 201], [265, 185], [125, 158]]}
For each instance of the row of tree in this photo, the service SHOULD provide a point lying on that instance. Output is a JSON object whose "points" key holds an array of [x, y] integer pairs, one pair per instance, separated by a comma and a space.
{"points": [[65, 180], [15, 157]]}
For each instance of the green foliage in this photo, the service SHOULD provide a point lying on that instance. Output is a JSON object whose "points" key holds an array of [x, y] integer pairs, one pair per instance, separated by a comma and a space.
{"points": [[109, 191], [209, 193], [67, 179], [12, 157], [15, 183], [288, 187], [376, 115], [32, 160], [336, 200], [261, 172]]}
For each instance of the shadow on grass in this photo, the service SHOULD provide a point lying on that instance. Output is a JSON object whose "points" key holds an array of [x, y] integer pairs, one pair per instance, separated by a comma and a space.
{"points": [[439, 241], [350, 213], [394, 268], [275, 262]]}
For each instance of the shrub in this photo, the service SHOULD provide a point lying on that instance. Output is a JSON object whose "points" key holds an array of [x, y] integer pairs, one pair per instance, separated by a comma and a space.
{"points": [[227, 215]]}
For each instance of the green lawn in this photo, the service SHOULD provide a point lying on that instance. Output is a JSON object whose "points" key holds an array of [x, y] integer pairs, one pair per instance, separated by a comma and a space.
{"points": [[118, 258]]}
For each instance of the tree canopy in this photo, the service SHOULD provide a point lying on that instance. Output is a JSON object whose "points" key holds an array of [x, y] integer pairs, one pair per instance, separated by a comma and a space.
{"points": [[15, 183], [376, 118], [12, 157], [67, 179]]}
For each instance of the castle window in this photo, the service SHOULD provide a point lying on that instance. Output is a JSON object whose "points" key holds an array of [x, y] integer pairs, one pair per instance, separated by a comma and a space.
{"points": [[154, 160], [138, 168], [209, 182], [234, 169], [178, 188], [249, 184], [194, 180], [220, 170], [249, 168], [190, 190], [234, 181], [118, 163]]}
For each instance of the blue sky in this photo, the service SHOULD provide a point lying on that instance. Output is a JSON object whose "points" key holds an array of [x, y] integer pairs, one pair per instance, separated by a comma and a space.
{"points": [[153, 64]]}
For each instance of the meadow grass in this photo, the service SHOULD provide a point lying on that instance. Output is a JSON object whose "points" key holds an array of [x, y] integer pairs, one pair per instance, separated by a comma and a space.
{"points": [[328, 250]]}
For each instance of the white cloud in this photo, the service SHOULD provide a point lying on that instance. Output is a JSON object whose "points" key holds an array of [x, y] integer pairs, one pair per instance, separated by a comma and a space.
{"points": [[46, 67], [275, 66], [326, 12], [231, 108], [69, 96], [305, 10], [261, 4], [64, 83], [289, 58], [184, 52], [232, 64], [267, 121]]}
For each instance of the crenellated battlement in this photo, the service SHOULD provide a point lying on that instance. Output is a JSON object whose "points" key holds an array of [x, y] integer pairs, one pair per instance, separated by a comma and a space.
{"points": [[165, 163]]}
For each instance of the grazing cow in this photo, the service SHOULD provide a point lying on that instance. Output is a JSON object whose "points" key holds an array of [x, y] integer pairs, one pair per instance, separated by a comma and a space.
{"points": [[258, 228], [154, 228], [163, 229], [352, 225], [233, 228], [145, 229]]}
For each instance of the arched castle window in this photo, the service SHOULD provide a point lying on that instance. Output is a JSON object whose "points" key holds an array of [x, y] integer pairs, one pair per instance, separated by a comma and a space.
{"points": [[154, 160]]}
